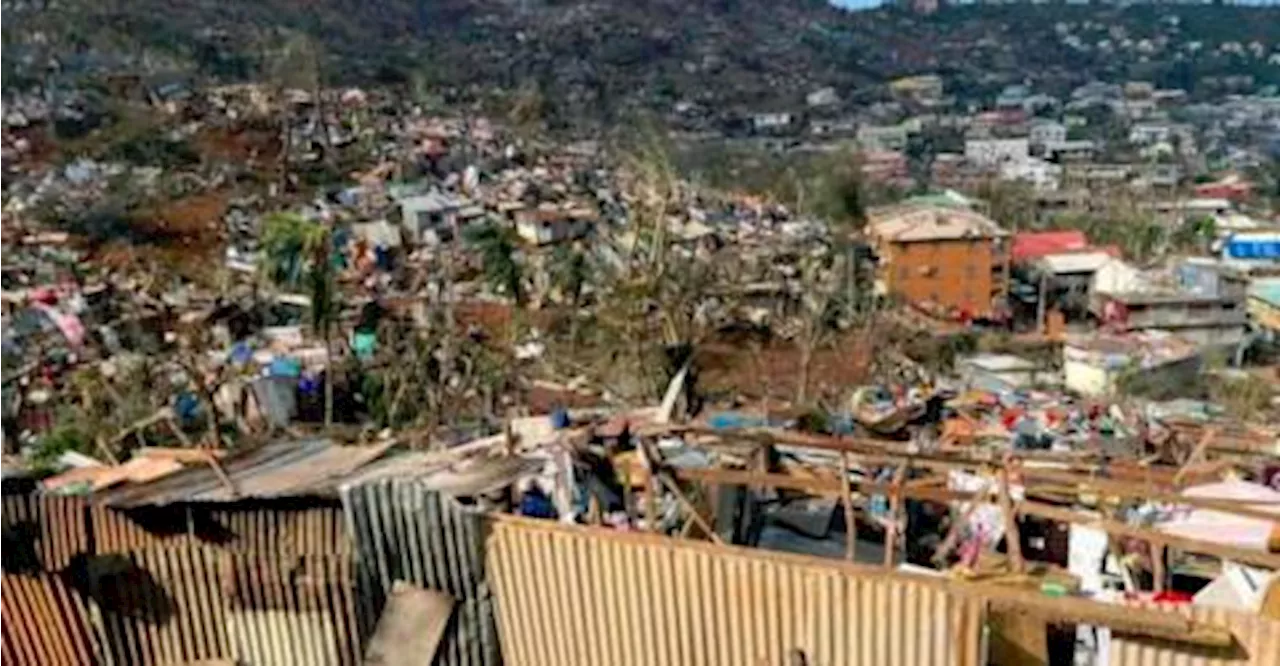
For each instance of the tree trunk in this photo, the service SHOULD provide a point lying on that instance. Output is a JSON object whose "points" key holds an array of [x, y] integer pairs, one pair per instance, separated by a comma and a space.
{"points": [[806, 359]]}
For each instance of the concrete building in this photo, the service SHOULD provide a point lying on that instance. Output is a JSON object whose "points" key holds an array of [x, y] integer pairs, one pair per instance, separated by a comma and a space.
{"points": [[432, 217], [542, 226], [1210, 319], [882, 138], [950, 258], [1046, 132], [995, 152], [1080, 150], [1100, 365], [1042, 175], [1003, 372]]}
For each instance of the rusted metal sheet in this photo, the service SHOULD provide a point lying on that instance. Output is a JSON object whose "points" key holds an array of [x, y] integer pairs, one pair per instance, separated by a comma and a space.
{"points": [[292, 610], [571, 595], [43, 622], [403, 531], [1257, 642]]}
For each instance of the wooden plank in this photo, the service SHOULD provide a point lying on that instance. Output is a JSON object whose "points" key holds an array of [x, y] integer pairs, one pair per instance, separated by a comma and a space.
{"points": [[411, 626]]}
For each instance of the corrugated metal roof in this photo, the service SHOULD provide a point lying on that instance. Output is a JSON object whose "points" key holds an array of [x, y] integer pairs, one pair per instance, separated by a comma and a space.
{"points": [[283, 469], [1066, 263], [1034, 244]]}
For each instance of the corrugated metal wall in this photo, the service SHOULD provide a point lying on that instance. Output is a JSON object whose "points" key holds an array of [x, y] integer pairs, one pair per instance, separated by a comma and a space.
{"points": [[297, 530], [55, 526], [1257, 638], [44, 622], [172, 605], [159, 606], [569, 595], [290, 611], [402, 531], [262, 583], [274, 527]]}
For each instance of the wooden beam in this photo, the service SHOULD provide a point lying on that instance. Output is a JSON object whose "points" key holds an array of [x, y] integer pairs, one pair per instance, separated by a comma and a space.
{"points": [[822, 486], [688, 506], [1115, 528], [1130, 491], [834, 487]]}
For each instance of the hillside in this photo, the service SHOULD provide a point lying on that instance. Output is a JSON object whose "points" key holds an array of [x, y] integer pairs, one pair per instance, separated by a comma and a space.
{"points": [[592, 59]]}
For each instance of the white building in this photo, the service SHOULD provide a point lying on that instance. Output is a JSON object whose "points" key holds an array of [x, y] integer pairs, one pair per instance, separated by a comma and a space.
{"points": [[995, 152], [1047, 132], [1042, 175]]}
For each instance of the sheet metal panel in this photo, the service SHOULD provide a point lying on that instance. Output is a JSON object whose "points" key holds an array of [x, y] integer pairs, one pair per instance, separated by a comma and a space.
{"points": [[1257, 642], [571, 595], [402, 531], [43, 622]]}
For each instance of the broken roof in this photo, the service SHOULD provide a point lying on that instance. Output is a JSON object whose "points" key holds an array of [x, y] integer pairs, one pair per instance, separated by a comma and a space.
{"points": [[313, 467], [914, 223]]}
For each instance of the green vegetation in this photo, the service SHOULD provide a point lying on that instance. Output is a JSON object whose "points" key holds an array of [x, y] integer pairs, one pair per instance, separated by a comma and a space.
{"points": [[298, 253], [497, 247]]}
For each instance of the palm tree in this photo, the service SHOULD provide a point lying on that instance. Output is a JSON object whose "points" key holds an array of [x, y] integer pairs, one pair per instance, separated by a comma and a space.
{"points": [[298, 254]]}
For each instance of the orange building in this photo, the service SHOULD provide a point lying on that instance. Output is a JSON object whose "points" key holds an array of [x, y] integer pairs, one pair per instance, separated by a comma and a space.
{"points": [[948, 259]]}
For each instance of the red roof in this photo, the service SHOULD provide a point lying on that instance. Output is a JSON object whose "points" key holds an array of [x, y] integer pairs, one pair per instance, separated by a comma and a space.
{"points": [[1036, 244]]}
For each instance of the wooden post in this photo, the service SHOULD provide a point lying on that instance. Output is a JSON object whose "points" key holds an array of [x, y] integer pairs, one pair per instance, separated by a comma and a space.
{"points": [[1041, 305], [850, 520], [895, 510], [1158, 574], [1013, 538]]}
